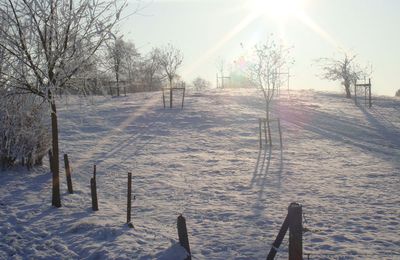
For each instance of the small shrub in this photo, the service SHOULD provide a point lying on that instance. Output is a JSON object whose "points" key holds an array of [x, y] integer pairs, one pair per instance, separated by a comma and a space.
{"points": [[200, 84], [24, 130]]}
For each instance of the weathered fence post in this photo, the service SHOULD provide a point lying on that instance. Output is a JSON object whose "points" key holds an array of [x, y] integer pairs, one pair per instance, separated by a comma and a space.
{"points": [[170, 97], [370, 95], [183, 96], [93, 190], [265, 131], [365, 96], [279, 238], [129, 202], [269, 132], [68, 174], [355, 92], [260, 132], [280, 132], [183, 235], [51, 160], [295, 231]]}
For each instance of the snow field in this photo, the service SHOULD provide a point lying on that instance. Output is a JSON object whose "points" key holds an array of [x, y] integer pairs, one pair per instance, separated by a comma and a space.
{"points": [[339, 160]]}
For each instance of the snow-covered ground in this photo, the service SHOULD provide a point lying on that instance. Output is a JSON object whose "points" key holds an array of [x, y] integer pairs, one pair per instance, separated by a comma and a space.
{"points": [[340, 161]]}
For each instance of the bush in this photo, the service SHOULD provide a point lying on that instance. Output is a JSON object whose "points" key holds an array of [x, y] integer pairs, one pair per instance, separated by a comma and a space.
{"points": [[200, 84], [398, 93], [24, 130]]}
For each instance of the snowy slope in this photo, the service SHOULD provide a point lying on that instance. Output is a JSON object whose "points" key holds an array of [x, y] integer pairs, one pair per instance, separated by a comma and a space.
{"points": [[341, 161]]}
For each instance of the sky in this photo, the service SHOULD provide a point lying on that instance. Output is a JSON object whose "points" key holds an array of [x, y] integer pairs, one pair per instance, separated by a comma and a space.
{"points": [[207, 31]]}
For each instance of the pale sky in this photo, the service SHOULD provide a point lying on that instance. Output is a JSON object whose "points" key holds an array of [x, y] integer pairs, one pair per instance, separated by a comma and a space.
{"points": [[205, 30]]}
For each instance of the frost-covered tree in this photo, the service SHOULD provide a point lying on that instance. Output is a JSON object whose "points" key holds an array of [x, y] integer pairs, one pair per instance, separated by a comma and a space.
{"points": [[170, 60], [344, 69], [24, 129], [269, 59], [200, 84], [48, 42], [220, 64], [122, 59], [151, 67], [131, 61]]}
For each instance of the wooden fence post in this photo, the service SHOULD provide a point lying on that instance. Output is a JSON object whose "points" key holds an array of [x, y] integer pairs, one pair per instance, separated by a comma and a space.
{"points": [[260, 132], [170, 97], [279, 238], [129, 202], [269, 132], [365, 96], [265, 130], [280, 132], [183, 235], [183, 96], [370, 96], [51, 160], [68, 174], [93, 192], [295, 231], [355, 92]]}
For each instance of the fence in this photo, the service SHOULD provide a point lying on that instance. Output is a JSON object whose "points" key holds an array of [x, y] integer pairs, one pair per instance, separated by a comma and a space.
{"points": [[292, 224], [264, 125], [367, 92], [171, 95]]}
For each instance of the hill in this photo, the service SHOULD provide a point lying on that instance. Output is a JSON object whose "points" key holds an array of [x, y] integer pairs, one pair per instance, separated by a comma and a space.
{"points": [[339, 160]]}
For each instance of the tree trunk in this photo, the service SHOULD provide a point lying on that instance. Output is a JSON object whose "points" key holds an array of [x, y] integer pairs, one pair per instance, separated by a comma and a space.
{"points": [[117, 78], [170, 93], [56, 198], [268, 125], [347, 88]]}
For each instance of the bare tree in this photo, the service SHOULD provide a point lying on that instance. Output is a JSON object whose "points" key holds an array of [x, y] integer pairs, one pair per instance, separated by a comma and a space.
{"points": [[121, 59], [151, 66], [115, 58], [49, 41], [269, 60], [170, 60], [131, 61], [3, 67], [220, 64], [344, 69]]}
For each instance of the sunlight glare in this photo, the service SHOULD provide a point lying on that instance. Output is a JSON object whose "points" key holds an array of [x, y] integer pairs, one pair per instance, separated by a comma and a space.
{"points": [[277, 9]]}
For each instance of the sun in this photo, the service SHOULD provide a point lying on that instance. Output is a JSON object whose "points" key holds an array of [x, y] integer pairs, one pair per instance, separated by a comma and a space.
{"points": [[277, 9]]}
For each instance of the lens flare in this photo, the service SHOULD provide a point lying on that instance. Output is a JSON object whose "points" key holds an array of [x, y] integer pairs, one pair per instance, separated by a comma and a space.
{"points": [[277, 9]]}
